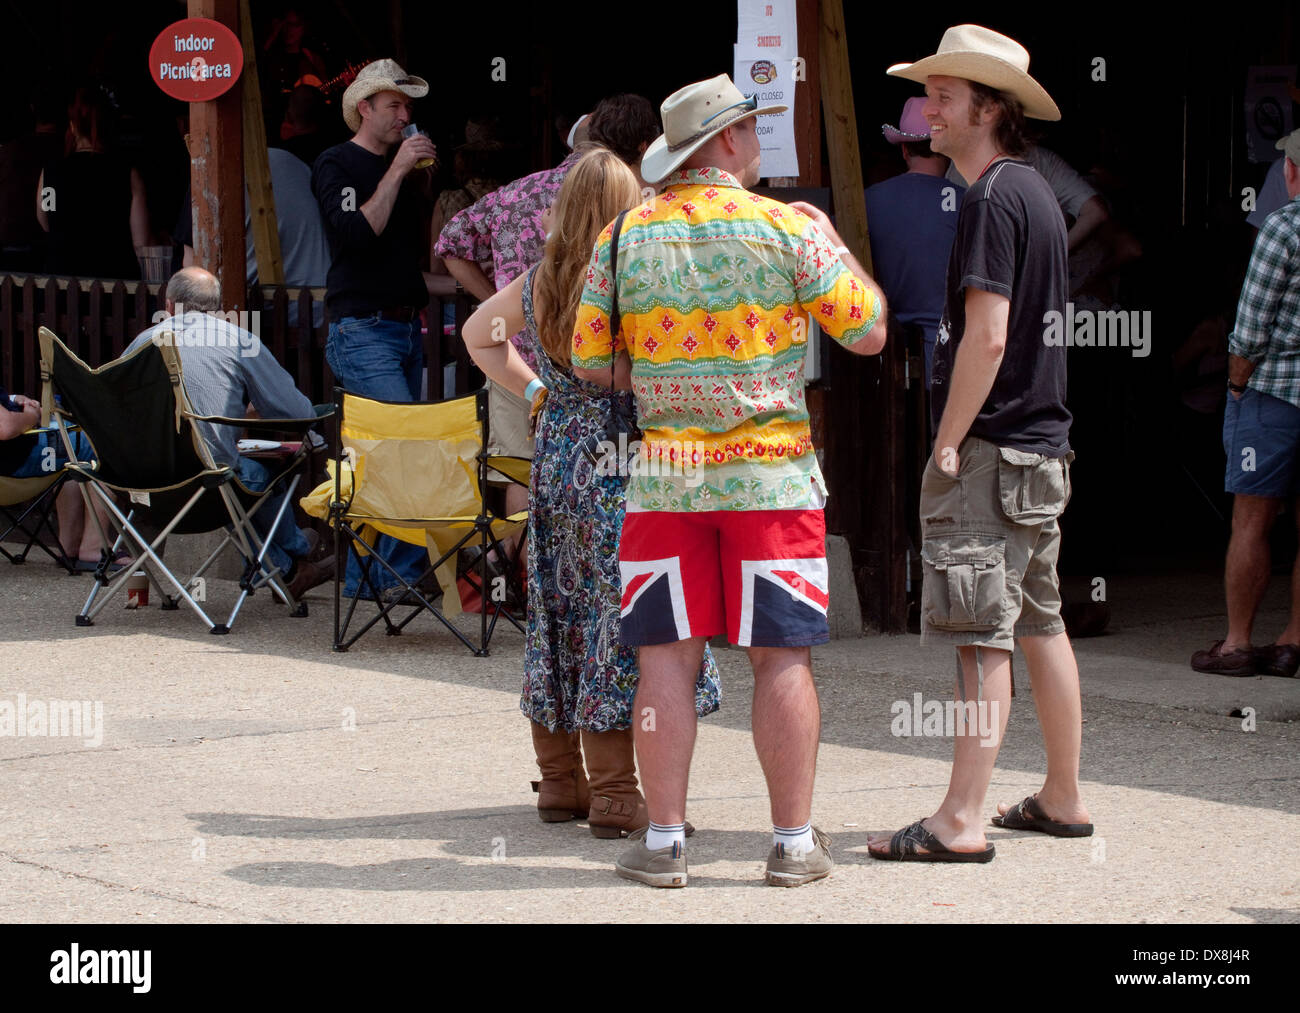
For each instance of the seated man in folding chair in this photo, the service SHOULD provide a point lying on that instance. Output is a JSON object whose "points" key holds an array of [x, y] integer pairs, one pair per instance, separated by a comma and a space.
{"points": [[226, 368], [24, 454]]}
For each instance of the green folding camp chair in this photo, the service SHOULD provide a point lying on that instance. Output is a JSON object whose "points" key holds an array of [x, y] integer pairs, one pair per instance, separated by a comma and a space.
{"points": [[151, 458]]}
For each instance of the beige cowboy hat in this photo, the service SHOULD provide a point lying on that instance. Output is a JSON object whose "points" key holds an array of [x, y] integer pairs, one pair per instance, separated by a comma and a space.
{"points": [[381, 75], [691, 116], [980, 54]]}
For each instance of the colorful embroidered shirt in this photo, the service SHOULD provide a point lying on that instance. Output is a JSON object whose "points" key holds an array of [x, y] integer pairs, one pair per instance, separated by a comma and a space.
{"points": [[715, 289], [505, 227]]}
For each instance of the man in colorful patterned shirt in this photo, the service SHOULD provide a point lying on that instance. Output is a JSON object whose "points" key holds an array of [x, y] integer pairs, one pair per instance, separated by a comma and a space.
{"points": [[1261, 433], [724, 529]]}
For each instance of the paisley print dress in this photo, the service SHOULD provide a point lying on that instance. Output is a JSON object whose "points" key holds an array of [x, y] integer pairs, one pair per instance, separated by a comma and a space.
{"points": [[576, 673]]}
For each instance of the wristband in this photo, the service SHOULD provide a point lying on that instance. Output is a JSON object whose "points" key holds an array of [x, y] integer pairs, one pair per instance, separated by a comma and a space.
{"points": [[841, 250], [1236, 388], [533, 387]]}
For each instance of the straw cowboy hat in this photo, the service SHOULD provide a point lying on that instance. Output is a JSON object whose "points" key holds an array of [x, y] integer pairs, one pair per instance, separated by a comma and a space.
{"points": [[691, 116], [381, 75], [979, 54]]}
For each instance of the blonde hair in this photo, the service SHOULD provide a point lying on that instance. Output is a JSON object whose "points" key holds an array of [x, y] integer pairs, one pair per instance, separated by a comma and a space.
{"points": [[597, 188]]}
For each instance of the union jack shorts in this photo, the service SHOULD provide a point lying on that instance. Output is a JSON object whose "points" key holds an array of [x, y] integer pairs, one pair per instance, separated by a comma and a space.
{"points": [[758, 575]]}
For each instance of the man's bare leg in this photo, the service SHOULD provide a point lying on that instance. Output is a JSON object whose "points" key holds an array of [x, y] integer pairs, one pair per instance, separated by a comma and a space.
{"points": [[1054, 675], [959, 821], [665, 736], [1246, 571], [516, 500], [1291, 635], [72, 514], [787, 728], [85, 535]]}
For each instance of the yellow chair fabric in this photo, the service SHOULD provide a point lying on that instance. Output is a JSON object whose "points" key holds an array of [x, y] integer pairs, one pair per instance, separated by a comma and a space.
{"points": [[411, 471]]}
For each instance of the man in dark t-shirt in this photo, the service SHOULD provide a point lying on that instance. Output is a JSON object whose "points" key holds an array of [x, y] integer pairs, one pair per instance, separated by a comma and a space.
{"points": [[999, 476], [375, 289], [1007, 244], [370, 204]]}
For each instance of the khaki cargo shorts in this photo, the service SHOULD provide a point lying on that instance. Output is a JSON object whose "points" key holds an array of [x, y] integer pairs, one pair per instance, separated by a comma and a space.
{"points": [[507, 425], [990, 545]]}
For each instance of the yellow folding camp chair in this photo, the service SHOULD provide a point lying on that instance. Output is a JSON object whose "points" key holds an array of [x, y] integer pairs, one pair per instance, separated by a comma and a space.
{"points": [[417, 471]]}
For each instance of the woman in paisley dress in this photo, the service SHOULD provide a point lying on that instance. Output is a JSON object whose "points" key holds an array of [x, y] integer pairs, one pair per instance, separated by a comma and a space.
{"points": [[579, 679]]}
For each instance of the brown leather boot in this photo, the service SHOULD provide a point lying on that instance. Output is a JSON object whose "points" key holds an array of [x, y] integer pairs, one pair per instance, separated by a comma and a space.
{"points": [[562, 792], [617, 806]]}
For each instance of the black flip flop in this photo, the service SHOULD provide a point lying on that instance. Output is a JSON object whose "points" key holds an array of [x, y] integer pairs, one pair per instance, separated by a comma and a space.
{"points": [[904, 845], [1029, 815]]}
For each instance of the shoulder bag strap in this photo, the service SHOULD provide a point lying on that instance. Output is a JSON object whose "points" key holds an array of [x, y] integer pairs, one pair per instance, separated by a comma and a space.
{"points": [[615, 318]]}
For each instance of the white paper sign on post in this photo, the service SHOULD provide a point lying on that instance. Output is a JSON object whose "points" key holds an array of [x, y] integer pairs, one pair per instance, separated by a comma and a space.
{"points": [[766, 62]]}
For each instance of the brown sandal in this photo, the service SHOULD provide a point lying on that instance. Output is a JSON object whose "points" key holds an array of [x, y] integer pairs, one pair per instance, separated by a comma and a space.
{"points": [[1027, 814]]}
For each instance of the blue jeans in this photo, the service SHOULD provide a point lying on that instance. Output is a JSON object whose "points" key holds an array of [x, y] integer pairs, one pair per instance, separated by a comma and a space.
{"points": [[289, 542], [380, 359], [48, 455]]}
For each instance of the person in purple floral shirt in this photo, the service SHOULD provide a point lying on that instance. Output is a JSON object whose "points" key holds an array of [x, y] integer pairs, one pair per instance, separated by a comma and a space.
{"points": [[506, 226]]}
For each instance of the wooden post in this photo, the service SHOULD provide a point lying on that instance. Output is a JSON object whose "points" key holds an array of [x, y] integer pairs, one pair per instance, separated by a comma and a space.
{"points": [[808, 95], [865, 466], [217, 174], [842, 133], [257, 166]]}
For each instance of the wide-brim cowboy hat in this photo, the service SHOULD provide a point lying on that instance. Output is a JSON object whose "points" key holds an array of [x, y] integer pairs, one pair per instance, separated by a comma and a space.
{"points": [[380, 75], [691, 116], [979, 54]]}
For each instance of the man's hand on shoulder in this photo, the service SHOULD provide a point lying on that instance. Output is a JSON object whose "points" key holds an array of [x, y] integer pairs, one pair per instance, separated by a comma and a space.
{"points": [[819, 216]]}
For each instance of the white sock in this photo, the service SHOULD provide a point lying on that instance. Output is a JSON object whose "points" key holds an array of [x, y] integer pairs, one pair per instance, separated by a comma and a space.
{"points": [[794, 838], [661, 836]]}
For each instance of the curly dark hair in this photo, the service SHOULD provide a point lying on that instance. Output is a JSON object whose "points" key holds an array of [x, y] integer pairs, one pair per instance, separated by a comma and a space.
{"points": [[1011, 134], [623, 123]]}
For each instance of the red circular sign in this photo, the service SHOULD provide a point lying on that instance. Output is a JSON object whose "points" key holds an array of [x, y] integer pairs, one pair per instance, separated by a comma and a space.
{"points": [[196, 60]]}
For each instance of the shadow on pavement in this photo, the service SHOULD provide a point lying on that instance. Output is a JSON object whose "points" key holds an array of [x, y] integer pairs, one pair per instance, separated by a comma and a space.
{"points": [[467, 861]]}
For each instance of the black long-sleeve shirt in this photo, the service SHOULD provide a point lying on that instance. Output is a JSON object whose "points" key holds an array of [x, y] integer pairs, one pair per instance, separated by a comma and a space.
{"points": [[367, 272]]}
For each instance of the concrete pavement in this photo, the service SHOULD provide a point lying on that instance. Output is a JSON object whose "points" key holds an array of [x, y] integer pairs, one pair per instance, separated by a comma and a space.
{"points": [[259, 777]]}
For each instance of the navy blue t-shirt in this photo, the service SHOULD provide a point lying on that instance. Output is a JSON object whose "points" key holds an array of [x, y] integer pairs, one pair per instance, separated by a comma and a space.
{"points": [[1011, 241], [912, 220]]}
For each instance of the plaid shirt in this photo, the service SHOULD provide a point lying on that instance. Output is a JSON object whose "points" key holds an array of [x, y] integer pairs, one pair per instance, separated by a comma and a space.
{"points": [[1267, 332]]}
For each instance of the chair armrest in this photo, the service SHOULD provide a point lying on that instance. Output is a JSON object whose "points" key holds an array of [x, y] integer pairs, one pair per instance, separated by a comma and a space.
{"points": [[517, 469], [257, 425]]}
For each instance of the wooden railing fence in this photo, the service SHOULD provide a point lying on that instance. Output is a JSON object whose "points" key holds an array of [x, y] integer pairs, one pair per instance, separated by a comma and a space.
{"points": [[97, 318]]}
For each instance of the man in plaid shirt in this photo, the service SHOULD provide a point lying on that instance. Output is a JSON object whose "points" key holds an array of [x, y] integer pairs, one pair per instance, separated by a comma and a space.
{"points": [[1261, 434]]}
